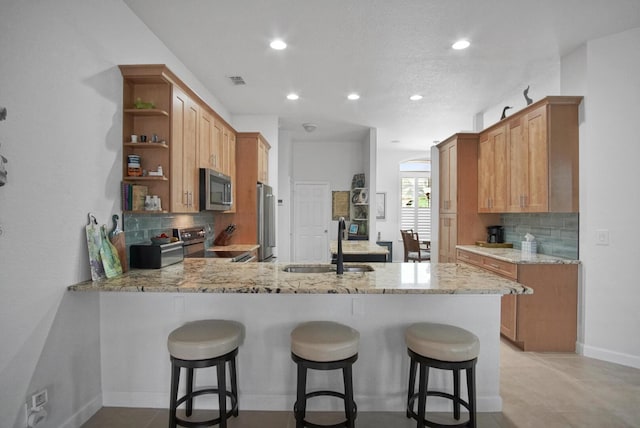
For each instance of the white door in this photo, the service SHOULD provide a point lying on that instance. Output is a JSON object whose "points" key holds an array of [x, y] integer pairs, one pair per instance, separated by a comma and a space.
{"points": [[311, 219]]}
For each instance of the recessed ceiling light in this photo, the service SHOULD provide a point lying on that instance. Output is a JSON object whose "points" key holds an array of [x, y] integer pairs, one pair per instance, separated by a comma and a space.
{"points": [[353, 96], [278, 44], [292, 96], [395, 141], [461, 44], [415, 97]]}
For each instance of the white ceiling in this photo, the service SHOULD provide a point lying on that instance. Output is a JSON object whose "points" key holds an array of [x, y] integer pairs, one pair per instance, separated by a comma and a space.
{"points": [[386, 50]]}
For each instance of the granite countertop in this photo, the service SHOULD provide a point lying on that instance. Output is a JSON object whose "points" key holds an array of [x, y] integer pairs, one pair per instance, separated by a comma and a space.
{"points": [[207, 276], [358, 247], [234, 247], [515, 256]]}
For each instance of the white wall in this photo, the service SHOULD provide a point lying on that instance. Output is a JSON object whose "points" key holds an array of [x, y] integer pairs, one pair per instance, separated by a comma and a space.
{"points": [[609, 198], [388, 181], [540, 86], [60, 83], [333, 162]]}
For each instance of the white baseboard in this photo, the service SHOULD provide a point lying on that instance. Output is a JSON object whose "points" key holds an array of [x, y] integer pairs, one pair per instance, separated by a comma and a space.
{"points": [[285, 402], [608, 355], [84, 414]]}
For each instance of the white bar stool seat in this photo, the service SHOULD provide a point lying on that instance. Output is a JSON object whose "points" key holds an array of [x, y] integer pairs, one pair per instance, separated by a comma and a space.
{"points": [[444, 347], [324, 345], [199, 344]]}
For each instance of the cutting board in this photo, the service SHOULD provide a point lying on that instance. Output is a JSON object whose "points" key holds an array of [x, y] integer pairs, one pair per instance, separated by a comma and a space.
{"points": [[116, 236], [109, 255], [94, 243]]}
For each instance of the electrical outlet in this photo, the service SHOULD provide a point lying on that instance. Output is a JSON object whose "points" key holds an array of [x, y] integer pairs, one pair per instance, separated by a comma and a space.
{"points": [[39, 399]]}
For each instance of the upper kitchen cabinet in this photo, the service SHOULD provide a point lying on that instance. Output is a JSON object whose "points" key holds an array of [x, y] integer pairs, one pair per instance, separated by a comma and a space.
{"points": [[263, 160], [460, 222], [182, 134], [250, 154], [147, 107], [540, 159], [492, 171], [209, 146], [184, 170]]}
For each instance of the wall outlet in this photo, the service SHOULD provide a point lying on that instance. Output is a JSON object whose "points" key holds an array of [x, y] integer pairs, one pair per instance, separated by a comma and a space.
{"points": [[39, 399]]}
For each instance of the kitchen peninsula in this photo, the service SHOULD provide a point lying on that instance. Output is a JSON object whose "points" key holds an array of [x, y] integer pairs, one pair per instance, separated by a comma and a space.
{"points": [[140, 308]]}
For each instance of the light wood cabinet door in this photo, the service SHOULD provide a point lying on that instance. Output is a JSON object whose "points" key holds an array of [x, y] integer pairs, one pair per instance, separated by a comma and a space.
{"points": [[528, 163], [263, 162], [492, 171], [448, 178], [184, 171], [206, 148], [448, 238], [509, 316]]}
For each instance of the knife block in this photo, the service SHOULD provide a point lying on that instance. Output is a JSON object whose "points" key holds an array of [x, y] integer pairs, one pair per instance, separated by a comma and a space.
{"points": [[223, 238]]}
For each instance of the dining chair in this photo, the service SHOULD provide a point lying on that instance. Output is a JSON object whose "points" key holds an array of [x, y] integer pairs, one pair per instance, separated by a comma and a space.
{"points": [[412, 248]]}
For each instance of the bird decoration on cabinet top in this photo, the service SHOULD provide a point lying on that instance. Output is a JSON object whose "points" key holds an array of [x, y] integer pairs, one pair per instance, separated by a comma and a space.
{"points": [[3, 160], [504, 112], [526, 96]]}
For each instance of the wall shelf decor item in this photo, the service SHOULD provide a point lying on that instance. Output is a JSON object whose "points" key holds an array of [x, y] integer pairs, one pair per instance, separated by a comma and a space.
{"points": [[3, 160], [340, 205], [381, 205], [353, 229]]}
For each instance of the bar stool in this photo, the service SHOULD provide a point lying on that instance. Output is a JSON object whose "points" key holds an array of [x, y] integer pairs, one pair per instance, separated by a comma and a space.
{"points": [[443, 347], [200, 344], [324, 345]]}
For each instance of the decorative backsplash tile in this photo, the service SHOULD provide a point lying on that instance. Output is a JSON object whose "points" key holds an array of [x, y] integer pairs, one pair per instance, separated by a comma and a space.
{"points": [[556, 233], [140, 227]]}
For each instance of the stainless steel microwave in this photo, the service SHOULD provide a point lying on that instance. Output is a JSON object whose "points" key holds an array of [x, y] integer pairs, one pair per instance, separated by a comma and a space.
{"points": [[215, 191]]}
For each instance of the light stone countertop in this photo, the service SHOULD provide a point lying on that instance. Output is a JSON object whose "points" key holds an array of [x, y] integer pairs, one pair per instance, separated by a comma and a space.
{"points": [[515, 256], [207, 276], [358, 247], [235, 247]]}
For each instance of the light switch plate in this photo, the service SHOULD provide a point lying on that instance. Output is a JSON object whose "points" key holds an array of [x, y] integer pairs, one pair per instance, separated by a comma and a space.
{"points": [[602, 237]]}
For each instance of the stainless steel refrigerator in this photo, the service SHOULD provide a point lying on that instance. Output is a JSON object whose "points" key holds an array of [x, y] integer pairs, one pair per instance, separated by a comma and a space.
{"points": [[266, 222]]}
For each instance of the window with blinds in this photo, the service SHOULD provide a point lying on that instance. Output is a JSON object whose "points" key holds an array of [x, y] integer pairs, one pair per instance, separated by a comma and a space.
{"points": [[415, 202]]}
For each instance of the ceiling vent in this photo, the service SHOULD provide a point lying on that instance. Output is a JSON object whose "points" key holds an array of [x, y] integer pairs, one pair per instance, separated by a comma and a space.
{"points": [[237, 80]]}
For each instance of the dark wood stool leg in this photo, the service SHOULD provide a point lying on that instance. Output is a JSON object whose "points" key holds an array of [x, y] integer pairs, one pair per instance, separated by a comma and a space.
{"points": [[456, 394], [189, 391], [234, 384], [348, 396], [471, 388], [301, 402], [175, 380], [422, 394], [412, 382], [222, 396]]}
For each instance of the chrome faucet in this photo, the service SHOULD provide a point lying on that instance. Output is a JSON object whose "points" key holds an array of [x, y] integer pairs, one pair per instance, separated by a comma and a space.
{"points": [[340, 259]]}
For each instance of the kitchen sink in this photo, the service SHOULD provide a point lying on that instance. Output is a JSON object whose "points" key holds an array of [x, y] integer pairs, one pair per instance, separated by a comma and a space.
{"points": [[326, 268]]}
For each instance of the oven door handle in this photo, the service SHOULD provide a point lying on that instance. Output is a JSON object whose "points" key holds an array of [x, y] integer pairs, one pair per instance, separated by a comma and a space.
{"points": [[244, 258]]}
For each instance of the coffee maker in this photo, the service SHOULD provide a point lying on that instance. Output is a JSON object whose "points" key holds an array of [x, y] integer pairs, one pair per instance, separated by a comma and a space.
{"points": [[495, 234]]}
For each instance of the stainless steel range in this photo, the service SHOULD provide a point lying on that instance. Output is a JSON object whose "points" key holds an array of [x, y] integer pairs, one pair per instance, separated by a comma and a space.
{"points": [[194, 246]]}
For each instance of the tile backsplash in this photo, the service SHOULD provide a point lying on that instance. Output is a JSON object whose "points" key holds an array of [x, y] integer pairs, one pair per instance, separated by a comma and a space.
{"points": [[556, 233], [140, 227]]}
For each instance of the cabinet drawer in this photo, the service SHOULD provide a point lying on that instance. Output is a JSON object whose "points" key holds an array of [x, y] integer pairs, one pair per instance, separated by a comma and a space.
{"points": [[506, 269], [471, 258], [510, 270]]}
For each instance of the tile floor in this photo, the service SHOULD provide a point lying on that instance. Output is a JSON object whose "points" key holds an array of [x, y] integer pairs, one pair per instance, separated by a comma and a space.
{"points": [[538, 390]]}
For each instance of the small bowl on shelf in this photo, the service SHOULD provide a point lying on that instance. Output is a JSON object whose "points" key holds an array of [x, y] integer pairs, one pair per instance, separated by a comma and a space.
{"points": [[160, 241]]}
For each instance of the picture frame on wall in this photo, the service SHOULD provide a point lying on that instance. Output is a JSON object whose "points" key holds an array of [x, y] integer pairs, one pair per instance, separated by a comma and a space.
{"points": [[381, 205], [353, 229]]}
